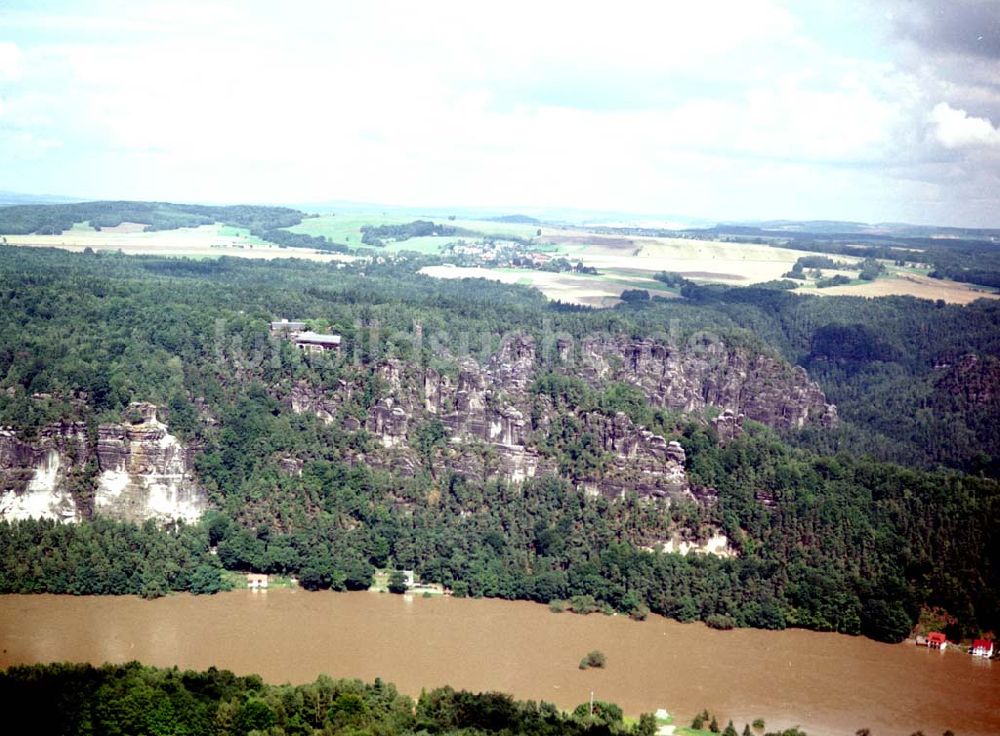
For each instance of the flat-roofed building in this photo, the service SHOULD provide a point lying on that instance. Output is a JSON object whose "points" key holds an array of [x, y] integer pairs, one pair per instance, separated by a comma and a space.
{"points": [[314, 342]]}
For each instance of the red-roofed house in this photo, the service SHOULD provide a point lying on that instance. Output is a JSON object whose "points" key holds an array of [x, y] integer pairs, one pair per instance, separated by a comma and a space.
{"points": [[982, 648], [937, 640]]}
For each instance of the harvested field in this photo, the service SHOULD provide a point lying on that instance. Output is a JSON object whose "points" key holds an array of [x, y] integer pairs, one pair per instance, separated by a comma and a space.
{"points": [[592, 291], [207, 241], [698, 260], [908, 284], [598, 240], [709, 276]]}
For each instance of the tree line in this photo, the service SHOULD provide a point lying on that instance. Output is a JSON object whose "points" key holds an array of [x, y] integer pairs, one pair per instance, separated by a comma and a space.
{"points": [[133, 699]]}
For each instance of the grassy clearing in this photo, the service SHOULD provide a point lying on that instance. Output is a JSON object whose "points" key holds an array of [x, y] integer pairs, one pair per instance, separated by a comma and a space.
{"points": [[380, 584], [346, 228], [426, 245], [242, 234], [238, 581]]}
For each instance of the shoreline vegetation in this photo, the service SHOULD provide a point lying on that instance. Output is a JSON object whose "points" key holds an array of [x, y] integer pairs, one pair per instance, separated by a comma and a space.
{"points": [[64, 698]]}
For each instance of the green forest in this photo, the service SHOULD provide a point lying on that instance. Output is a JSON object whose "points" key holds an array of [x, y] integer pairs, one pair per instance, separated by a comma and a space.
{"points": [[268, 223], [853, 529], [53, 219], [132, 699]]}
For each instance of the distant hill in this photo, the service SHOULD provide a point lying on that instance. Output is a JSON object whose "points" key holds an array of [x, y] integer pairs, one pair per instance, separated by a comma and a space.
{"points": [[11, 198], [53, 219], [521, 219], [839, 227]]}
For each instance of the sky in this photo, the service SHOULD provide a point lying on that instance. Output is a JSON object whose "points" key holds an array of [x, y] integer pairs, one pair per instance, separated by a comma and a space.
{"points": [[865, 110]]}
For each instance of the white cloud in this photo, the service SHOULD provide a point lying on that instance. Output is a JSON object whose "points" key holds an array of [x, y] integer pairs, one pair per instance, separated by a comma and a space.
{"points": [[10, 61], [792, 117], [954, 128], [718, 108]]}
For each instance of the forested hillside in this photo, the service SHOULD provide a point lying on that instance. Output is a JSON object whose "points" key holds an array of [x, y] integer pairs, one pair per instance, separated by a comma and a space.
{"points": [[52, 219], [910, 377], [267, 223], [828, 529]]}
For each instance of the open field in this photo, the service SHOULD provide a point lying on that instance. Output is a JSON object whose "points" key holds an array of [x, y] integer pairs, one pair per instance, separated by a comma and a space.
{"points": [[346, 228], [909, 284], [571, 288], [697, 260], [623, 262], [630, 263], [430, 245], [740, 264], [207, 241]]}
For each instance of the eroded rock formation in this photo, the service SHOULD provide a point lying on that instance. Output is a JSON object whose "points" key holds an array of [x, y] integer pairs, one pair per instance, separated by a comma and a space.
{"points": [[495, 426], [34, 477], [137, 471], [761, 387]]}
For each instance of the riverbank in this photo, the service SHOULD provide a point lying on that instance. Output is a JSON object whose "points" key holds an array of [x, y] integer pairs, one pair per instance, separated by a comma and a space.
{"points": [[827, 683]]}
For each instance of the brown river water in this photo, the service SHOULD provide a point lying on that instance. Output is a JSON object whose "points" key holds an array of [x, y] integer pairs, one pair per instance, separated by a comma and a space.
{"points": [[827, 683]]}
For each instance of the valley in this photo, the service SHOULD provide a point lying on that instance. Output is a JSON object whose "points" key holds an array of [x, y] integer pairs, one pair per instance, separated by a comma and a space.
{"points": [[824, 683], [497, 443], [540, 369]]}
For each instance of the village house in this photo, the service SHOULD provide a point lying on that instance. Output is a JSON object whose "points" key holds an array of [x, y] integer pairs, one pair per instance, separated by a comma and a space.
{"points": [[982, 648], [256, 581], [314, 342], [934, 640], [306, 340]]}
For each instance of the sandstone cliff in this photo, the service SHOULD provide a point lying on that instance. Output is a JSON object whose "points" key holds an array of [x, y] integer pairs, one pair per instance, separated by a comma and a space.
{"points": [[495, 426], [135, 470], [760, 387], [482, 419]]}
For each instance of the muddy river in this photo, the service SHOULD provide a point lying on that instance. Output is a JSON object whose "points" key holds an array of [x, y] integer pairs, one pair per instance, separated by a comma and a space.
{"points": [[827, 683]]}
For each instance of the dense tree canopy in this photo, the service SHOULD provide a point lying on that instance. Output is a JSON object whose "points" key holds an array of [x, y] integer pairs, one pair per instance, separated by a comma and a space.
{"points": [[132, 699]]}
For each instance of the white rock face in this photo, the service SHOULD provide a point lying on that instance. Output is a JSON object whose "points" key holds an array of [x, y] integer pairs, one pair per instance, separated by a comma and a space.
{"points": [[717, 545], [42, 499], [145, 473]]}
